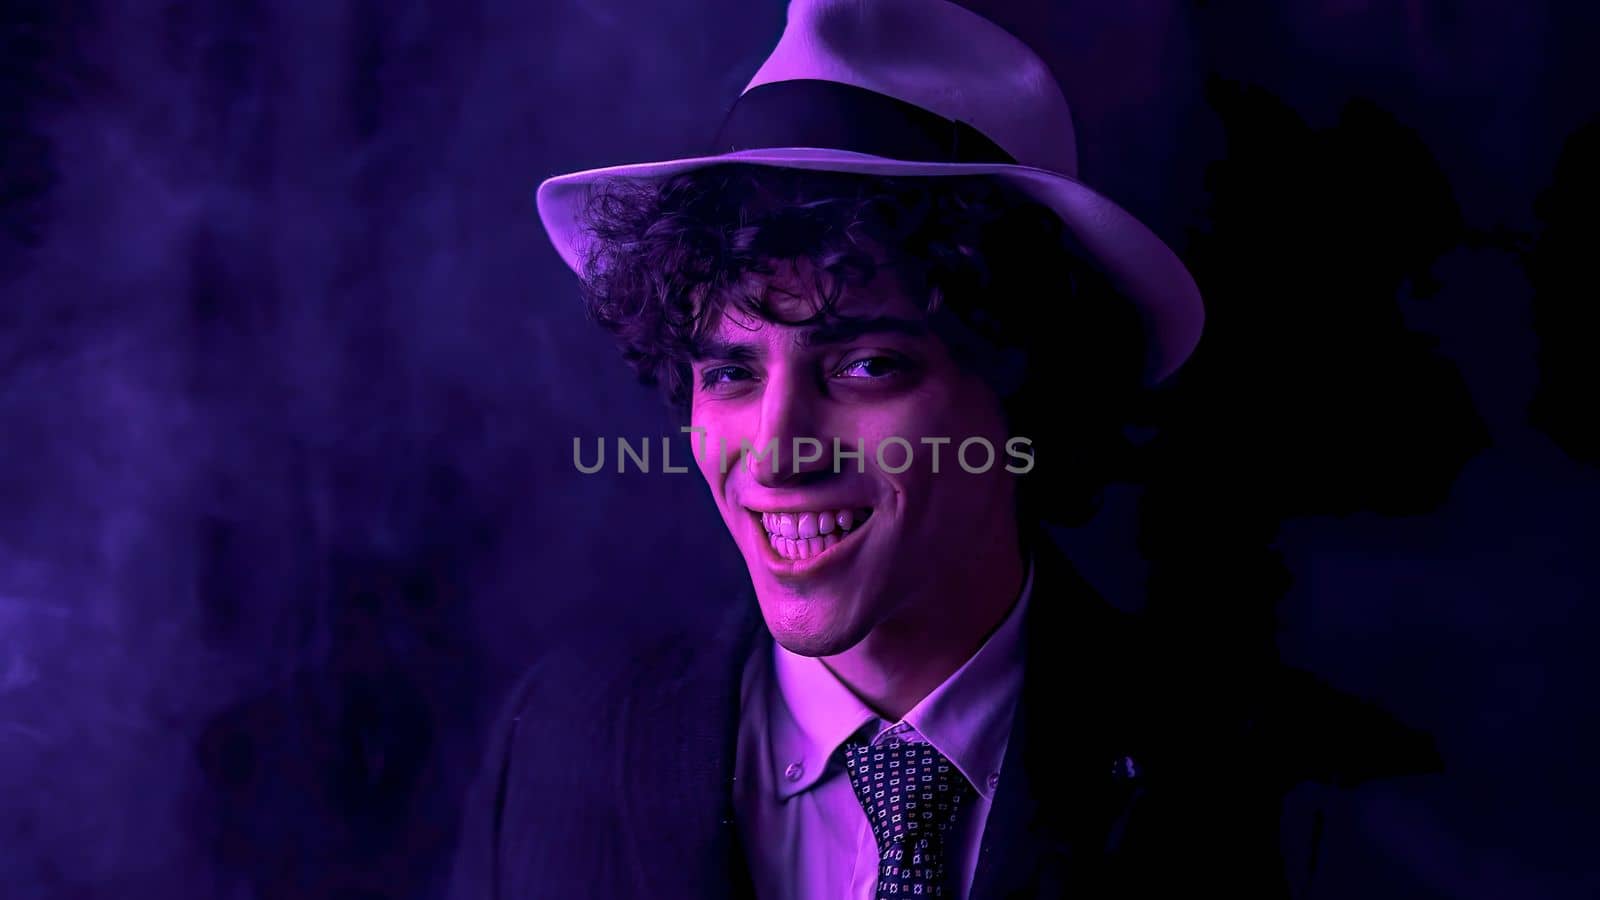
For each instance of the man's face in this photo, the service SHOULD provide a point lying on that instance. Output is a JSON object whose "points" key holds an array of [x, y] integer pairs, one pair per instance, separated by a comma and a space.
{"points": [[836, 549]]}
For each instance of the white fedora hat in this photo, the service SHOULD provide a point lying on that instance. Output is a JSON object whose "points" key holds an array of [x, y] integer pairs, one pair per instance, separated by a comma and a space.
{"points": [[921, 87]]}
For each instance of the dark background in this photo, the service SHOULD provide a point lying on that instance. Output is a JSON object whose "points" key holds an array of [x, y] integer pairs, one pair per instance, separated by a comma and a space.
{"points": [[289, 377]]}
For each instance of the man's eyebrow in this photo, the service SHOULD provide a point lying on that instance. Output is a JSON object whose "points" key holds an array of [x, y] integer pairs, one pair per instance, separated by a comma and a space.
{"points": [[845, 330], [839, 331], [727, 351]]}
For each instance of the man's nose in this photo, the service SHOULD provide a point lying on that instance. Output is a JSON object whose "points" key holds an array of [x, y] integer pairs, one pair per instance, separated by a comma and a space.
{"points": [[790, 444]]}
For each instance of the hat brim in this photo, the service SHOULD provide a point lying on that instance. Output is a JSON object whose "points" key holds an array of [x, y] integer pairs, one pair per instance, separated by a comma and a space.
{"points": [[1138, 263]]}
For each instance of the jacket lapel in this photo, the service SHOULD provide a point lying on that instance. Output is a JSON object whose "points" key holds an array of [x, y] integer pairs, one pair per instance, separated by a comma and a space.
{"points": [[680, 730], [1066, 790]]}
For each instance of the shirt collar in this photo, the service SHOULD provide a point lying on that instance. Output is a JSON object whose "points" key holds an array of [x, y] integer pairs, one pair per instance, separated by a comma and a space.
{"points": [[967, 717]]}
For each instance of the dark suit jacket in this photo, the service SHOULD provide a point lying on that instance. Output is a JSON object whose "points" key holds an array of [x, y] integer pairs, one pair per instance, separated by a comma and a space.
{"points": [[1137, 767]]}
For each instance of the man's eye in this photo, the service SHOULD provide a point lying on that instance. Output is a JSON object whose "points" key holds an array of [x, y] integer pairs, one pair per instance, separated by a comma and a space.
{"points": [[871, 367], [721, 375]]}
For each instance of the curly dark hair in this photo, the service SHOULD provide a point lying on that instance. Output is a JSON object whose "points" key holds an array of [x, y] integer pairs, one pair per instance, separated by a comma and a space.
{"points": [[1005, 286]]}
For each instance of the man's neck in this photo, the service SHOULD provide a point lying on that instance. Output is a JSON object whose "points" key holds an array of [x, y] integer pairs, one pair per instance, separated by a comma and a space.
{"points": [[908, 655]]}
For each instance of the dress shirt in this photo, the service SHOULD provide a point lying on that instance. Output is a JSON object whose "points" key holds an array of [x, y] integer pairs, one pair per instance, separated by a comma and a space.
{"points": [[805, 834]]}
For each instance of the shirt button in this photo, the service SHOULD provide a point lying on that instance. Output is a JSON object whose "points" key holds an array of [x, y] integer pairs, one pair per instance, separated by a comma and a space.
{"points": [[794, 771], [994, 780]]}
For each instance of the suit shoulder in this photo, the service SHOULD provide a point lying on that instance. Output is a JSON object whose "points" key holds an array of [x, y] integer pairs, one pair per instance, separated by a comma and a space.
{"points": [[586, 672], [1339, 738], [1296, 726]]}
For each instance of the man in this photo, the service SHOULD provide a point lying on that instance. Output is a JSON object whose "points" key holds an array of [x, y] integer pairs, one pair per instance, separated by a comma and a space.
{"points": [[903, 336]]}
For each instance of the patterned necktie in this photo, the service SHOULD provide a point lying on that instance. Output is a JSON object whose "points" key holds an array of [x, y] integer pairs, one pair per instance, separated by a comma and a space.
{"points": [[912, 795]]}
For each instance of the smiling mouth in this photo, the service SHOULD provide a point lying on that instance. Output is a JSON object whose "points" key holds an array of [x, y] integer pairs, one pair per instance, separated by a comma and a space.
{"points": [[802, 537]]}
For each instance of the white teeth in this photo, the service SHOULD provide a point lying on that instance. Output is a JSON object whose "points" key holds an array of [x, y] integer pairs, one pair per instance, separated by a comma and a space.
{"points": [[806, 525], [803, 535]]}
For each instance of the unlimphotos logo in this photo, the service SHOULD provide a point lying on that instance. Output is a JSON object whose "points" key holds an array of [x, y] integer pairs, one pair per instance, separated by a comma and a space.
{"points": [[974, 455]]}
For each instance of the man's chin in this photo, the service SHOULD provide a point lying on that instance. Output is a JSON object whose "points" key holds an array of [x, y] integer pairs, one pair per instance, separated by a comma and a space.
{"points": [[804, 632], [812, 645]]}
